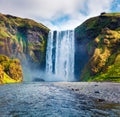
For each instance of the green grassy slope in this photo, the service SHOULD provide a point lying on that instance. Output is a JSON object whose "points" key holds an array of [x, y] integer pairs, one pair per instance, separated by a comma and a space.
{"points": [[23, 38], [103, 47], [10, 70]]}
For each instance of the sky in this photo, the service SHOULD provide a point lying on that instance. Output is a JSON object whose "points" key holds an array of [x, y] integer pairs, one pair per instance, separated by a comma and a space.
{"points": [[58, 14]]}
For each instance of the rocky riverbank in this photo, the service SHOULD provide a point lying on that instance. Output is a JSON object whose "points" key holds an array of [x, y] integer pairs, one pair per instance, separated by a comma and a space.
{"points": [[102, 91]]}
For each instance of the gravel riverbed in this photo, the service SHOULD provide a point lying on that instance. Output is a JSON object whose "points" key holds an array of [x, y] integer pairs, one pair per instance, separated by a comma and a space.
{"points": [[101, 90]]}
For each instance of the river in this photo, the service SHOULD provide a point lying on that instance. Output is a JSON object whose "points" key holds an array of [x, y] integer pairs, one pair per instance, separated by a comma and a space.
{"points": [[48, 100]]}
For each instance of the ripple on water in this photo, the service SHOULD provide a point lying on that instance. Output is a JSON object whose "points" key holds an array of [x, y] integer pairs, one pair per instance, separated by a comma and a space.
{"points": [[46, 100]]}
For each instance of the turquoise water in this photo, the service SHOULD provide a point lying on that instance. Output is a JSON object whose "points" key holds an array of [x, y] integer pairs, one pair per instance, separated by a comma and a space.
{"points": [[47, 100]]}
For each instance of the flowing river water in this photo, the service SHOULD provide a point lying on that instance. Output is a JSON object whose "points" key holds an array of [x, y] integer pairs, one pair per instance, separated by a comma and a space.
{"points": [[48, 100]]}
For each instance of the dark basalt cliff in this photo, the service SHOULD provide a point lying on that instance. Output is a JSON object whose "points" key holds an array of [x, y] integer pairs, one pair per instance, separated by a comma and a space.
{"points": [[98, 48]]}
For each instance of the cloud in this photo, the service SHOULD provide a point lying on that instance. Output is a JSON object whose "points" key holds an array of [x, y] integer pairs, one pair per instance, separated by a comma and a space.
{"points": [[56, 14]]}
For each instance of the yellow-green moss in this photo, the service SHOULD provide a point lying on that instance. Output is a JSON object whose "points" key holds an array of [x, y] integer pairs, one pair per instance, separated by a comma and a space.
{"points": [[19, 36], [104, 65], [10, 70], [111, 14]]}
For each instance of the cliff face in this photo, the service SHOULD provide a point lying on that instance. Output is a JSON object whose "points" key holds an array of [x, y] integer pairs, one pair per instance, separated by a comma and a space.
{"points": [[10, 70], [23, 38], [98, 40], [97, 55]]}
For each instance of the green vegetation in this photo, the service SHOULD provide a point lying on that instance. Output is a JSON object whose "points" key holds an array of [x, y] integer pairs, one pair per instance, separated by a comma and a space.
{"points": [[92, 27], [111, 14], [105, 62], [23, 37], [10, 70], [112, 74], [103, 45]]}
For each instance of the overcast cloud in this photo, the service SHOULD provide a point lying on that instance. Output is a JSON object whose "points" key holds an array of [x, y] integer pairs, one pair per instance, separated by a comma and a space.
{"points": [[56, 14]]}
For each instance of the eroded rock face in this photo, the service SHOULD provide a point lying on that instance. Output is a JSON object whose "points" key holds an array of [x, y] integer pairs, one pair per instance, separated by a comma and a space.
{"points": [[106, 52], [23, 38], [101, 37], [10, 70], [108, 40], [98, 60]]}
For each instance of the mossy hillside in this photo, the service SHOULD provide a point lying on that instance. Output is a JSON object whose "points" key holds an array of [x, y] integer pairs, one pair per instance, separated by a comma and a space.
{"points": [[20, 37], [111, 14], [10, 70], [100, 37], [91, 28], [104, 65]]}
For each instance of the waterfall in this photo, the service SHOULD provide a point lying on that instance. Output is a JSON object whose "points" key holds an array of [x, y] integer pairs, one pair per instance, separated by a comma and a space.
{"points": [[60, 55]]}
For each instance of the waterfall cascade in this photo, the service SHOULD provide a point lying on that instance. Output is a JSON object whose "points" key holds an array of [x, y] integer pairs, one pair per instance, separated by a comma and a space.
{"points": [[60, 55]]}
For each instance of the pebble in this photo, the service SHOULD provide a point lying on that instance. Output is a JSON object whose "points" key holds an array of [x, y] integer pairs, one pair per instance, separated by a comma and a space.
{"points": [[97, 92]]}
